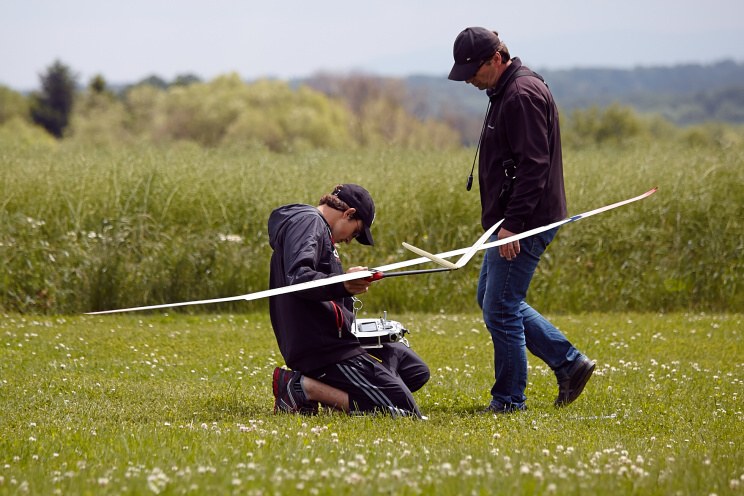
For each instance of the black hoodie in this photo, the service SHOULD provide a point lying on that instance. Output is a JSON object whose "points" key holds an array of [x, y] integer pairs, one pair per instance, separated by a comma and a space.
{"points": [[312, 327]]}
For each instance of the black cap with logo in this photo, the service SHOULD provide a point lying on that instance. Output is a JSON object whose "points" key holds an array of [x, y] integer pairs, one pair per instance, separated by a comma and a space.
{"points": [[473, 46], [359, 198]]}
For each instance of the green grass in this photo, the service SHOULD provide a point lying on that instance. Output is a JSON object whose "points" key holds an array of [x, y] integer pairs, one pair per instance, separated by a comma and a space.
{"points": [[85, 228], [180, 404]]}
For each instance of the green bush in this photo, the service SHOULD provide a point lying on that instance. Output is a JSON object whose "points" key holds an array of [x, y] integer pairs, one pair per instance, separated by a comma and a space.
{"points": [[618, 125], [227, 111], [19, 132], [99, 119], [13, 105]]}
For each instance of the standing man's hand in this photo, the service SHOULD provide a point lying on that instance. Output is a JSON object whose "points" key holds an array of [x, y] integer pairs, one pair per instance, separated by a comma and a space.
{"points": [[508, 251], [357, 286]]}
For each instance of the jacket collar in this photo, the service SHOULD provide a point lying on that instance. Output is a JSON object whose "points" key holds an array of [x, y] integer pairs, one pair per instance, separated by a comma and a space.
{"points": [[498, 90]]}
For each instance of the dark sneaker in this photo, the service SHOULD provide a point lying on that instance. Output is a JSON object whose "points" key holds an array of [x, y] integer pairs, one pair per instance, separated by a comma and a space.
{"points": [[495, 410], [571, 382], [288, 395]]}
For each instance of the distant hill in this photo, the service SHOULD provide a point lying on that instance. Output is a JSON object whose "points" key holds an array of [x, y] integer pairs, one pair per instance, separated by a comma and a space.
{"points": [[684, 94]]}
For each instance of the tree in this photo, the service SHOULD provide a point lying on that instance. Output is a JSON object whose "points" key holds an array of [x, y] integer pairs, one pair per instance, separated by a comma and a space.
{"points": [[51, 106], [98, 85], [155, 81], [98, 117], [185, 80]]}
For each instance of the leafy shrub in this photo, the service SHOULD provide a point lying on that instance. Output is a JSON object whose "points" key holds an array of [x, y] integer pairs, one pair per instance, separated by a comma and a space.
{"points": [[227, 111], [99, 119], [13, 105], [18, 131]]}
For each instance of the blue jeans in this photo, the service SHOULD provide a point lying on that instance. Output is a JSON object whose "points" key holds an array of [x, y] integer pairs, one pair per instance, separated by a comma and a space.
{"points": [[516, 326]]}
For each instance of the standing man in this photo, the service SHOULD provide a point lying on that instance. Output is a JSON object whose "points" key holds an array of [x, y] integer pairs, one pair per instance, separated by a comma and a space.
{"points": [[313, 327], [520, 173]]}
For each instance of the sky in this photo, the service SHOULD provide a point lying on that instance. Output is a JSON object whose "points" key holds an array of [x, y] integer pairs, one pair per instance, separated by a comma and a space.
{"points": [[127, 41]]}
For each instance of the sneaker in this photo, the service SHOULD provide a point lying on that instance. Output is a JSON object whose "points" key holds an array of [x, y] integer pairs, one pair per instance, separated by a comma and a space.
{"points": [[571, 383], [288, 395], [495, 410]]}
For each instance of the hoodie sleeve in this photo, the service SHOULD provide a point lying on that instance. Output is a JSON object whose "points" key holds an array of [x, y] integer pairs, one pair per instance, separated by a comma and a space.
{"points": [[305, 244]]}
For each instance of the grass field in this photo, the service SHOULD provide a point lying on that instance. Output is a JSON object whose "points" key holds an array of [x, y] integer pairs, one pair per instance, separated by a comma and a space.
{"points": [[182, 404], [85, 228]]}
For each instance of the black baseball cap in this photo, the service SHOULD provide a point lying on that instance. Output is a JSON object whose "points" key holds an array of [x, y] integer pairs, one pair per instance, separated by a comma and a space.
{"points": [[472, 47], [359, 198]]}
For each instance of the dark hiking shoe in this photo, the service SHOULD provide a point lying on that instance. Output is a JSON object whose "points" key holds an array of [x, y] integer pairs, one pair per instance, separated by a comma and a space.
{"points": [[571, 382], [288, 395], [495, 410]]}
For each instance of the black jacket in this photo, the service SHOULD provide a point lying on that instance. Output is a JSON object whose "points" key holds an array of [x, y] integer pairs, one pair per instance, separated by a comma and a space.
{"points": [[312, 327], [522, 125]]}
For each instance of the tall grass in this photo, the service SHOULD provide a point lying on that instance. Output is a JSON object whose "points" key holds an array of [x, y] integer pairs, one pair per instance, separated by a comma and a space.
{"points": [[180, 404], [85, 228]]}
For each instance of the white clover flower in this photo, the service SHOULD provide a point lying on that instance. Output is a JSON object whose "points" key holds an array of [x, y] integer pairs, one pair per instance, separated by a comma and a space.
{"points": [[230, 238], [35, 223], [157, 480]]}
